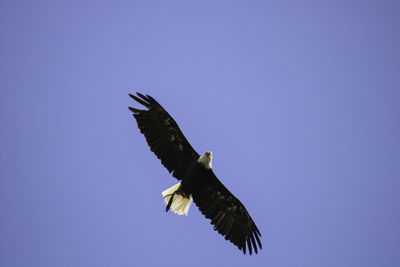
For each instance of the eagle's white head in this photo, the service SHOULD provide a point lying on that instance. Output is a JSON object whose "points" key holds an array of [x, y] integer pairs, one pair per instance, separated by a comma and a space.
{"points": [[206, 160]]}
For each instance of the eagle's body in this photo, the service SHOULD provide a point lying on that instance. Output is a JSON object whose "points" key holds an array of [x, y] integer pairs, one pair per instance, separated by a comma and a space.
{"points": [[198, 181], [196, 176]]}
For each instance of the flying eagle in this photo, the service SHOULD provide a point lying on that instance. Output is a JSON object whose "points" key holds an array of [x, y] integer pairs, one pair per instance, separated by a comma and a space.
{"points": [[198, 181]]}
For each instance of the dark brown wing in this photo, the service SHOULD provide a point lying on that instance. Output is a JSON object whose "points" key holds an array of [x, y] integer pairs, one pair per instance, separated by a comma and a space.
{"points": [[228, 215], [163, 136]]}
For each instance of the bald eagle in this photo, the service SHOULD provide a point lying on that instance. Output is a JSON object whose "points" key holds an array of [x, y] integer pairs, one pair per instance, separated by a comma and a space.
{"points": [[198, 181]]}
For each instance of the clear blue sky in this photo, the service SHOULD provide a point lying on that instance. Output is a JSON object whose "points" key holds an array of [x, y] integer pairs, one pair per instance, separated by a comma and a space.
{"points": [[298, 100]]}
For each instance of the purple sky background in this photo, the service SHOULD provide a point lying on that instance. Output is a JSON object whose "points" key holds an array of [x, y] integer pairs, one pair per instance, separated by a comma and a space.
{"points": [[298, 100]]}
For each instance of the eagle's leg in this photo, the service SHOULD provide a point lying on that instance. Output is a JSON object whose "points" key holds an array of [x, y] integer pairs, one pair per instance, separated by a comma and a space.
{"points": [[169, 202]]}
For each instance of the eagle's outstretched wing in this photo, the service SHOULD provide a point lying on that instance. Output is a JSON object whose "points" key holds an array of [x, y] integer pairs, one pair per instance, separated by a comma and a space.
{"points": [[163, 136], [228, 215]]}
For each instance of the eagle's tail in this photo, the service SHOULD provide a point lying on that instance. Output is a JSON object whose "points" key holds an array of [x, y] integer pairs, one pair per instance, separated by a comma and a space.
{"points": [[178, 202]]}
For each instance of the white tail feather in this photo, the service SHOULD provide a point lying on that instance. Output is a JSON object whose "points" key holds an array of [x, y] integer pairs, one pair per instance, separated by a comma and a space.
{"points": [[180, 205]]}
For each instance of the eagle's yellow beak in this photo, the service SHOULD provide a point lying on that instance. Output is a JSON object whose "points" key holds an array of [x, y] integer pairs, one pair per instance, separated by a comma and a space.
{"points": [[209, 154]]}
